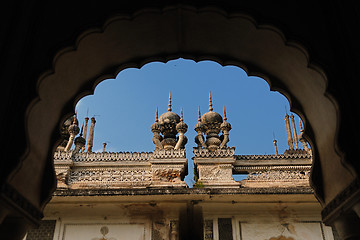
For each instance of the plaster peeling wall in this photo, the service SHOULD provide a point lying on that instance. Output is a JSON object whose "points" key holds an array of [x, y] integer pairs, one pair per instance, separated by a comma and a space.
{"points": [[98, 230], [288, 231]]}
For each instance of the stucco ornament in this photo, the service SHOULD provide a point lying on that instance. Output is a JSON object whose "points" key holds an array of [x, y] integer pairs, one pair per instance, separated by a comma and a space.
{"points": [[210, 124], [165, 129]]}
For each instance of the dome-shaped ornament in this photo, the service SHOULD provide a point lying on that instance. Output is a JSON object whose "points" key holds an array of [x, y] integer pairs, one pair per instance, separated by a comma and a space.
{"points": [[169, 124], [211, 123]]}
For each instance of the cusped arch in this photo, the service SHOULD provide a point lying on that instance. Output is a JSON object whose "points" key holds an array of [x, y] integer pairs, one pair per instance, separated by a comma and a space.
{"points": [[161, 35]]}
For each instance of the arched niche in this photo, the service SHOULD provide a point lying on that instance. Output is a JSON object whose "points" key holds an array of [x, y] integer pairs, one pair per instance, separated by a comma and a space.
{"points": [[161, 35]]}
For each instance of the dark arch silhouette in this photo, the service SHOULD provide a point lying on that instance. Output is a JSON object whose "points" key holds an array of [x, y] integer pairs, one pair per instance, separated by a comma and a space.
{"points": [[187, 32]]}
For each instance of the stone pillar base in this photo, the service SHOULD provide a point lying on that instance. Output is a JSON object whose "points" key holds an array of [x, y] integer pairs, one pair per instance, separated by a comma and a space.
{"points": [[215, 168], [168, 168]]}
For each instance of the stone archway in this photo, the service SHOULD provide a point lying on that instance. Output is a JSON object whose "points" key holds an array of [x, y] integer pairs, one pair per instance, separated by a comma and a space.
{"points": [[153, 34]]}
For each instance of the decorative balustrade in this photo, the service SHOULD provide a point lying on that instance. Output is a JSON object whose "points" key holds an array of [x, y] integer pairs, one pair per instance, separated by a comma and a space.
{"points": [[218, 153], [120, 169]]}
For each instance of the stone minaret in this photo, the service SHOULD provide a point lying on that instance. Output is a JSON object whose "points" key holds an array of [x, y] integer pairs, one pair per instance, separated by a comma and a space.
{"points": [[104, 146], [302, 139], [91, 135], [80, 141], [73, 131], [275, 146], [288, 133], [85, 131], [294, 132]]}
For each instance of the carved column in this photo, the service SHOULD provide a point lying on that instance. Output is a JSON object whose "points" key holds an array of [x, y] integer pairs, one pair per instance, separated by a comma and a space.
{"points": [[296, 141], [85, 132], [288, 133], [91, 135]]}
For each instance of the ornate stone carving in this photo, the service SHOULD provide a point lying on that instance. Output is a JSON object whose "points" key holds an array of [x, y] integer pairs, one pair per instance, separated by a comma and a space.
{"points": [[278, 175], [163, 154], [169, 167], [214, 167], [227, 152], [169, 124], [62, 175], [167, 175], [112, 157], [296, 155], [121, 169], [211, 123], [110, 177]]}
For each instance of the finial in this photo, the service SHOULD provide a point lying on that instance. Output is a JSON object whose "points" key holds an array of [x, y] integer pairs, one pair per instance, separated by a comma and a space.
{"points": [[181, 115], [210, 102], [169, 108], [157, 115], [104, 146], [301, 127], [199, 118], [74, 122], [225, 118]]}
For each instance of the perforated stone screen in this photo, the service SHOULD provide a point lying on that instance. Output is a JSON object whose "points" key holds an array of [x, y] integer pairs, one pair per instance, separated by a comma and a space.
{"points": [[44, 232]]}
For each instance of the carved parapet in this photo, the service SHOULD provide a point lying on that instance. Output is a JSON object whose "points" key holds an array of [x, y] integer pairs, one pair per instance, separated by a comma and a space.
{"points": [[277, 178], [169, 168], [215, 168], [102, 170], [112, 157], [106, 170], [264, 171], [252, 163], [218, 153], [61, 157], [110, 177], [168, 154]]}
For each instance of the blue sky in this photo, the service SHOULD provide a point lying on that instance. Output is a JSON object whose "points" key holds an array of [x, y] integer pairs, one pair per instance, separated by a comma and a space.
{"points": [[124, 108]]}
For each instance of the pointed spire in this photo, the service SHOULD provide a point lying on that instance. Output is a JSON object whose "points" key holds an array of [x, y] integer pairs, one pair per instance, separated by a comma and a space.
{"points": [[199, 118], [74, 122], [225, 118], [157, 115], [169, 106], [210, 102], [181, 115], [301, 127]]}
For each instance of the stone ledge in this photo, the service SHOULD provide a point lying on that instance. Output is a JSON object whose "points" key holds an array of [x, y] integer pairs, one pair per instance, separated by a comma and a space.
{"points": [[182, 191]]}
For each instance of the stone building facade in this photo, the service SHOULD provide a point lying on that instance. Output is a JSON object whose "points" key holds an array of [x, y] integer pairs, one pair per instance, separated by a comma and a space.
{"points": [[143, 195]]}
